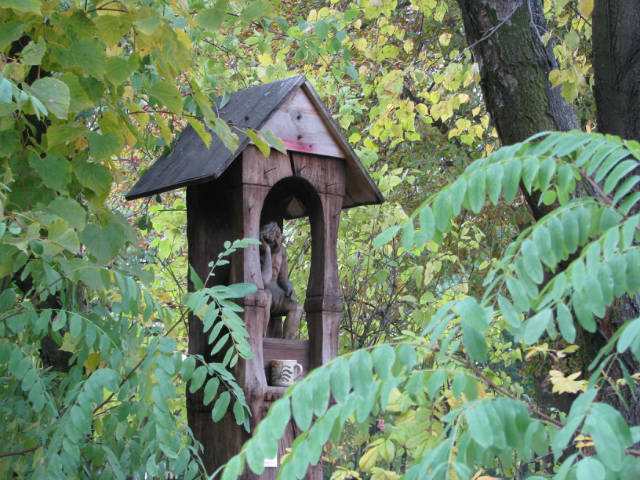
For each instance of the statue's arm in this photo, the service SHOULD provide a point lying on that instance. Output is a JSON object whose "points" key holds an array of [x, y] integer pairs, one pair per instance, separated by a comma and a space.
{"points": [[283, 276], [266, 265]]}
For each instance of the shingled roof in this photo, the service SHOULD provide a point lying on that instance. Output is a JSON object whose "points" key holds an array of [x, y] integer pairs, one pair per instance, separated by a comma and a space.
{"points": [[190, 162]]}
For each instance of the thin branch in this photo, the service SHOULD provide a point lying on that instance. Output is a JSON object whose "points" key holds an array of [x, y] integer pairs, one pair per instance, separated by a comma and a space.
{"points": [[21, 452]]}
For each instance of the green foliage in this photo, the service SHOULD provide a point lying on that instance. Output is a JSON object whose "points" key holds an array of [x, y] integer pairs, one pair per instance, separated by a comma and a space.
{"points": [[92, 362], [590, 247]]}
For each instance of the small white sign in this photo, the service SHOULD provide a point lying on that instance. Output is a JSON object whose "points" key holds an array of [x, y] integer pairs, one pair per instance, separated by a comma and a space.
{"points": [[271, 462]]}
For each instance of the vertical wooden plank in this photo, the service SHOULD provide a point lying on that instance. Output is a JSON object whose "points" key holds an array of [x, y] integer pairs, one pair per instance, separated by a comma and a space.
{"points": [[209, 225]]}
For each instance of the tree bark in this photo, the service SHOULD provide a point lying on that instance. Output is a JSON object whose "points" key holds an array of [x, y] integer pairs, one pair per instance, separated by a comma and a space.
{"points": [[616, 66], [505, 37]]}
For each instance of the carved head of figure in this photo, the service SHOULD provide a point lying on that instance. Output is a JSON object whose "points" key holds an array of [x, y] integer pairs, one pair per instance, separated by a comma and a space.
{"points": [[271, 235]]}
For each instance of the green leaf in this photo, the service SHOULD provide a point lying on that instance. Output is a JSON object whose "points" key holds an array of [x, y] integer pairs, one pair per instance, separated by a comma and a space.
{"points": [[167, 94], [12, 31], [280, 413], [210, 390], [322, 29], [339, 379], [608, 444], [221, 405], [256, 10], [475, 192], [407, 235], [383, 359], [118, 70], [472, 313], [54, 169], [480, 425], [321, 391], [565, 322], [442, 211], [618, 173], [274, 141], [427, 222], [32, 54], [103, 243], [475, 343], [258, 142], [93, 176], [302, 404], [435, 382], [630, 335], [28, 6], [360, 372], [102, 146], [584, 314], [509, 312], [86, 54], [255, 457], [495, 174], [511, 179], [212, 18], [385, 236], [536, 325], [590, 468], [531, 261], [233, 468], [224, 133], [148, 25], [54, 94], [61, 233], [518, 294]]}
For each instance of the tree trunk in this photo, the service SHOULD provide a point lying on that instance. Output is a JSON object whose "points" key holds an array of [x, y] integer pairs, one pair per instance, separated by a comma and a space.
{"points": [[505, 37], [616, 66]]}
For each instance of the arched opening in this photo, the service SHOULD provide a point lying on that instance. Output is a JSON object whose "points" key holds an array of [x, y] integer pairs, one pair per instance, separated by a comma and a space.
{"points": [[295, 198]]}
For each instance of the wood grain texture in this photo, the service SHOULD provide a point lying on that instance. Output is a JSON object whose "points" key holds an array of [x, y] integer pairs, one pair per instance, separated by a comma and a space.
{"points": [[298, 123], [249, 193], [274, 106]]}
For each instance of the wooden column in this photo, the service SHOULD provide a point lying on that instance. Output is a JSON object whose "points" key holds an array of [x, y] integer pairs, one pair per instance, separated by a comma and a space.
{"points": [[324, 302], [209, 225]]}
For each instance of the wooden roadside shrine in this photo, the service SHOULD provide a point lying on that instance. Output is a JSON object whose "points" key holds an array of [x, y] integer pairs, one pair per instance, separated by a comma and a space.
{"points": [[231, 195]]}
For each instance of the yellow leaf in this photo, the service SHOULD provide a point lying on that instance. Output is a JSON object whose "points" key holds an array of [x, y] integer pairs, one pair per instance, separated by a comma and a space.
{"points": [[422, 108], [93, 359], [183, 38], [360, 43], [408, 46], [444, 39], [164, 129], [570, 384], [368, 460], [585, 7], [265, 59], [68, 343]]}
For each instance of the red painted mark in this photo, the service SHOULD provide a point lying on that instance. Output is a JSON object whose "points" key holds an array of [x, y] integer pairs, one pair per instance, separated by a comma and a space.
{"points": [[298, 146]]}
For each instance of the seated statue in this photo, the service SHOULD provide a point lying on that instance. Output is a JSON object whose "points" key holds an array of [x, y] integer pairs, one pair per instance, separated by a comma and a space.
{"points": [[275, 275]]}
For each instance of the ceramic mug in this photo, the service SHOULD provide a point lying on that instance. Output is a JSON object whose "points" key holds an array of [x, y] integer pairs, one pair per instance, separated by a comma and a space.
{"points": [[284, 372]]}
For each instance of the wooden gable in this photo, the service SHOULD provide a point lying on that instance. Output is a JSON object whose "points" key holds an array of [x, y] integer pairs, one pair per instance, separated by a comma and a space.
{"points": [[292, 110]]}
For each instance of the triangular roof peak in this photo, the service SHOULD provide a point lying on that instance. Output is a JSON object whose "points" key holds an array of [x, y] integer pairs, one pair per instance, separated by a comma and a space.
{"points": [[292, 110]]}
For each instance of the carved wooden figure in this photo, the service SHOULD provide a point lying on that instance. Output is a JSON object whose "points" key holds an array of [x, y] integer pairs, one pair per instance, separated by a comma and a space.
{"points": [[241, 194]]}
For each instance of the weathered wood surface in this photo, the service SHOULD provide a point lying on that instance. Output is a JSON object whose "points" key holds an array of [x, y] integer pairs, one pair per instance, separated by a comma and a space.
{"points": [[299, 125], [275, 105], [191, 162], [238, 199]]}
